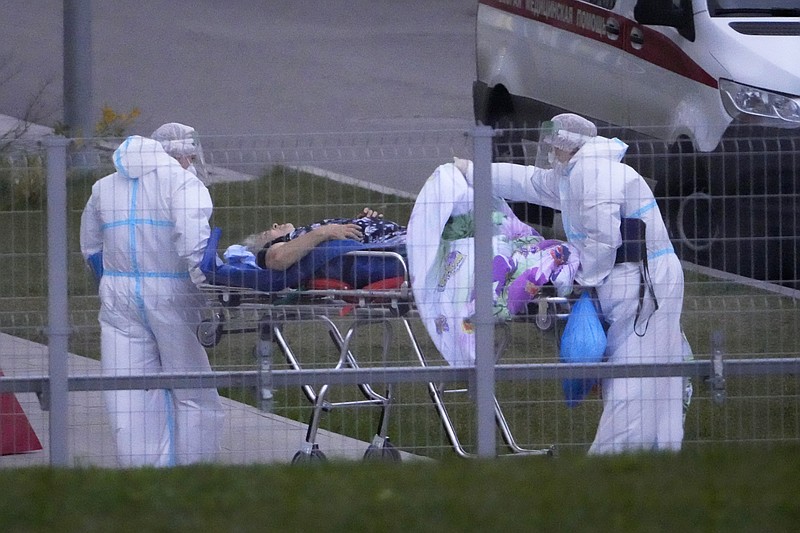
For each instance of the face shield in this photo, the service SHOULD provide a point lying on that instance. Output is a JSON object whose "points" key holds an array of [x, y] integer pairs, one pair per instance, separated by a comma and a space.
{"points": [[183, 144], [566, 132], [545, 151], [198, 164]]}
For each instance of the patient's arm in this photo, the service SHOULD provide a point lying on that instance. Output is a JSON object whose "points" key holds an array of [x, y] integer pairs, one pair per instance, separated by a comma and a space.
{"points": [[282, 255]]}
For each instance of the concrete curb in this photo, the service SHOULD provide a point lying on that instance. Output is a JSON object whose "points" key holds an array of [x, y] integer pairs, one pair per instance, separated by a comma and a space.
{"points": [[250, 436]]}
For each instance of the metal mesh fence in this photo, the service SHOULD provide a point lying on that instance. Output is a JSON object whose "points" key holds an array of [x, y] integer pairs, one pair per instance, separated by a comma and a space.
{"points": [[346, 369]]}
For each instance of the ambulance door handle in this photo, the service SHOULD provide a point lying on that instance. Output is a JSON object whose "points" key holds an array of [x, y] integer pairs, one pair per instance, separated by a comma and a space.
{"points": [[612, 28], [637, 38]]}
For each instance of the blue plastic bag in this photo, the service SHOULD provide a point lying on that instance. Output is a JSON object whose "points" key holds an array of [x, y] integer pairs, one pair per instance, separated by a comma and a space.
{"points": [[583, 341]]}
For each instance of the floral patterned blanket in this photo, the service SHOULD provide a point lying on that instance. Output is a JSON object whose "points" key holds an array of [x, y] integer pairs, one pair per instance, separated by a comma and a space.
{"points": [[440, 247]]}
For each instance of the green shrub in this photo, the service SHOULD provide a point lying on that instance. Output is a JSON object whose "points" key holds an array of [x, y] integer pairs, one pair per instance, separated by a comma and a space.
{"points": [[22, 182]]}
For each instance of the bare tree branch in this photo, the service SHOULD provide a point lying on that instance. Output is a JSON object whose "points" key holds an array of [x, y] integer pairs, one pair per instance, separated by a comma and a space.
{"points": [[34, 111]]}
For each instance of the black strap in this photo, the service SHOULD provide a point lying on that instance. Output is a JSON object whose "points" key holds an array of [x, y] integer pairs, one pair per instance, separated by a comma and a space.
{"points": [[634, 250], [634, 241], [646, 281]]}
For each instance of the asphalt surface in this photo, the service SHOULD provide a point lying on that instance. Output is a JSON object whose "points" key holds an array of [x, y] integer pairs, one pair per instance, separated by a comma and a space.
{"points": [[249, 435], [245, 67]]}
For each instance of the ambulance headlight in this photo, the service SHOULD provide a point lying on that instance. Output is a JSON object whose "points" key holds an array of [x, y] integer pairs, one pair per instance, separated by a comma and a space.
{"points": [[757, 105]]}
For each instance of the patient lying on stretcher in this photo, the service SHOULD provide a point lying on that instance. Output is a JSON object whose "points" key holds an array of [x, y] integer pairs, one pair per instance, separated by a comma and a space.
{"points": [[285, 257], [283, 245]]}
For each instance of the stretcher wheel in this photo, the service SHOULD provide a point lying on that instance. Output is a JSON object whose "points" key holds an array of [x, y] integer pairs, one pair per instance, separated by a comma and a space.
{"points": [[384, 452], [209, 333], [546, 321], [230, 300], [313, 457]]}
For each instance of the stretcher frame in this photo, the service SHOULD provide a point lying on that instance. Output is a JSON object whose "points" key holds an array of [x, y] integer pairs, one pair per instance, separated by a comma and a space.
{"points": [[269, 311]]}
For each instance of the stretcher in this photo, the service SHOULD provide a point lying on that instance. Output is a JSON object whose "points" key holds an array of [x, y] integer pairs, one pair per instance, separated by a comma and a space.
{"points": [[369, 285], [365, 286], [338, 279]]}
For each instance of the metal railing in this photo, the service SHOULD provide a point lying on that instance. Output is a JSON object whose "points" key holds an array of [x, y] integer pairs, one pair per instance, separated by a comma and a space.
{"points": [[712, 366]]}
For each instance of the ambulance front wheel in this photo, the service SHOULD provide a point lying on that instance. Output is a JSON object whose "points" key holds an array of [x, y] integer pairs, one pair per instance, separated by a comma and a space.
{"points": [[697, 224]]}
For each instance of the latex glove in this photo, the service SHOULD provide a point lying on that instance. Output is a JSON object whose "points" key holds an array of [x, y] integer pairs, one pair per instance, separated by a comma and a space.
{"points": [[197, 276], [465, 167]]}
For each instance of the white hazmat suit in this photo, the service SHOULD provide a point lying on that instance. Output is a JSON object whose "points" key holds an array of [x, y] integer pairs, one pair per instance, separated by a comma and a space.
{"points": [[594, 191], [150, 221]]}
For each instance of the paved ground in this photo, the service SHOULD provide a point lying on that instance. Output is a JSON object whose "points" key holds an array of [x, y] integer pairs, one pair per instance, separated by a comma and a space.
{"points": [[240, 68], [251, 436]]}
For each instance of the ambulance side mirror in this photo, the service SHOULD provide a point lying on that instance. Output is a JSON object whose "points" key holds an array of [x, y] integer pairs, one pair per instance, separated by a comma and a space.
{"points": [[666, 13]]}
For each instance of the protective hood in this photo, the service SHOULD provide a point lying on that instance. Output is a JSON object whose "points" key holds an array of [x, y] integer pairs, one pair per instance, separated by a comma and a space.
{"points": [[566, 132], [138, 156], [601, 148], [178, 139]]}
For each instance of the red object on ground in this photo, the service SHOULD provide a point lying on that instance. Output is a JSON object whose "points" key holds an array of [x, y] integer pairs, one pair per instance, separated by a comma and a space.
{"points": [[16, 433]]}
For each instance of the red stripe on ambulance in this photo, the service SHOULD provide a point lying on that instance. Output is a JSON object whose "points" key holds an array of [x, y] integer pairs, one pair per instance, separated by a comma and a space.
{"points": [[590, 21]]}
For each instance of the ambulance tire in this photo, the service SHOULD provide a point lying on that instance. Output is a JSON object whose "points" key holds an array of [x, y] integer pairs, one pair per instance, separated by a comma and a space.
{"points": [[734, 232], [695, 224], [507, 146], [693, 211]]}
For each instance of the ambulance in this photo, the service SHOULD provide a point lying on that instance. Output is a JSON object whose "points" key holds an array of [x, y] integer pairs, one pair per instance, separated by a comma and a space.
{"points": [[705, 92]]}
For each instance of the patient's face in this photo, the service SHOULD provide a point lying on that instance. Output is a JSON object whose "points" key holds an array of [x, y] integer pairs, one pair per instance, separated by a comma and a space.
{"points": [[278, 230]]}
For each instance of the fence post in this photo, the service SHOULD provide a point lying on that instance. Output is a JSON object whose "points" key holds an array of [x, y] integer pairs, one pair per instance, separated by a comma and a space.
{"points": [[57, 309], [717, 379], [77, 20], [484, 316]]}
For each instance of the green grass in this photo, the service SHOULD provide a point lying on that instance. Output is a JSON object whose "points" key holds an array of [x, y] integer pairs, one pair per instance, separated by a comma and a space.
{"points": [[755, 323], [285, 195], [731, 489]]}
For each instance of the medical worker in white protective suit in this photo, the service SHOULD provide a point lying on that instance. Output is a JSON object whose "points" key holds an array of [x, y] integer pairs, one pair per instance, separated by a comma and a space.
{"points": [[148, 223], [594, 191]]}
